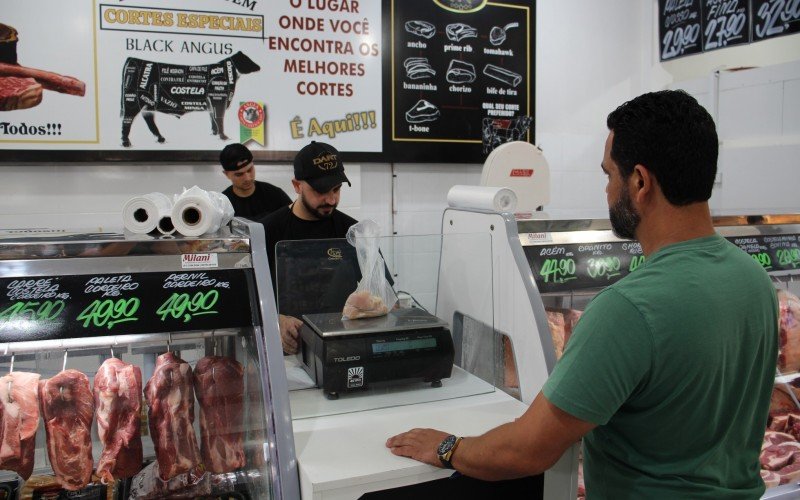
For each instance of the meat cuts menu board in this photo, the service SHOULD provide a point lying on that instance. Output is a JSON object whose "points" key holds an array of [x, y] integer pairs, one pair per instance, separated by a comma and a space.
{"points": [[117, 304], [680, 25], [461, 77], [780, 252], [565, 268], [136, 78]]}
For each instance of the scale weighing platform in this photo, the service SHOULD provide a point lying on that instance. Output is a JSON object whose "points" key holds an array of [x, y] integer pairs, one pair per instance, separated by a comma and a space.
{"points": [[345, 355]]}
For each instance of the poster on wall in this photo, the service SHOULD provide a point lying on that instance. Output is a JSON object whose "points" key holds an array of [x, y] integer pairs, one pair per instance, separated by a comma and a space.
{"points": [[773, 18], [725, 23], [462, 77], [680, 28], [165, 80]]}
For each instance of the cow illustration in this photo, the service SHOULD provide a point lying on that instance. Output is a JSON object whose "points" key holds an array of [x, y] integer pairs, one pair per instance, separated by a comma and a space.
{"points": [[149, 86]]}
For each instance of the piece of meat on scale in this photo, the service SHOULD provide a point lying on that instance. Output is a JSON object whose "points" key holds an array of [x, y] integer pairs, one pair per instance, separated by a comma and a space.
{"points": [[219, 386], [170, 400], [68, 410], [19, 420], [118, 404]]}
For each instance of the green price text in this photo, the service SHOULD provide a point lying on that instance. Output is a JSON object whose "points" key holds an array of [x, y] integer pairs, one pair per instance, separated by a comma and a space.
{"points": [[603, 266], [636, 261], [46, 310], [788, 256], [558, 270], [182, 305], [109, 312], [762, 258]]}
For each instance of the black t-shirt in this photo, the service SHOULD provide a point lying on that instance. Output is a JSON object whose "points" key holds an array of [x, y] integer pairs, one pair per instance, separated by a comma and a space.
{"points": [[310, 294], [264, 200]]}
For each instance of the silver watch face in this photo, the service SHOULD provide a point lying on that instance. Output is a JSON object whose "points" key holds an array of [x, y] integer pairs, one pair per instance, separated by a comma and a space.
{"points": [[446, 445]]}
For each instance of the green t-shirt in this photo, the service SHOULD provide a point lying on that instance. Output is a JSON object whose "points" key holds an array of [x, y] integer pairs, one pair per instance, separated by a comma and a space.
{"points": [[675, 364]]}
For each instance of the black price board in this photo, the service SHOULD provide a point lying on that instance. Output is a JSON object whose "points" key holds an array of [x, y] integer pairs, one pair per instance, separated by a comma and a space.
{"points": [[725, 23], [780, 252], [60, 307], [772, 18], [680, 28], [462, 77], [564, 268]]}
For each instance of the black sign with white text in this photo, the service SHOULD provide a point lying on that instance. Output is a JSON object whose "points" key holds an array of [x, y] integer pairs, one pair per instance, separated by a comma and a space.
{"points": [[118, 304]]}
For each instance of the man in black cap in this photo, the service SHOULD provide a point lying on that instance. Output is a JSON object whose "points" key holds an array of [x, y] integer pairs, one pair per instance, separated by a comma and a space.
{"points": [[318, 178], [250, 198]]}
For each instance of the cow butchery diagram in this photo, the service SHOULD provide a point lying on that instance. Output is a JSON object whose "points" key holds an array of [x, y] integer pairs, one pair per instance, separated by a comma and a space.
{"points": [[460, 74], [176, 89]]}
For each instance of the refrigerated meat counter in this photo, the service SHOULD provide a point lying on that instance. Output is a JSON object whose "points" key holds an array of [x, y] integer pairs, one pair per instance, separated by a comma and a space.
{"points": [[545, 271], [134, 366]]}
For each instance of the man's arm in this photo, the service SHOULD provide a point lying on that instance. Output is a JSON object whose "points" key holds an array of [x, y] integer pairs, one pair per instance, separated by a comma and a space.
{"points": [[290, 333], [527, 446]]}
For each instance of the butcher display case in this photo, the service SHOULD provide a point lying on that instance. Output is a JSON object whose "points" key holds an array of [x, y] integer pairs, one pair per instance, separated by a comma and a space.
{"points": [[547, 270], [134, 366]]}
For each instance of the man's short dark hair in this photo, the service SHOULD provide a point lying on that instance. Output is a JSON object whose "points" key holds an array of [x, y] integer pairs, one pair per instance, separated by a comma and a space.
{"points": [[674, 137]]}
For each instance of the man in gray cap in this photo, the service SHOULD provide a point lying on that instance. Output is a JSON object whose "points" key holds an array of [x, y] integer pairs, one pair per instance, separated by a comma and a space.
{"points": [[250, 198], [318, 179]]}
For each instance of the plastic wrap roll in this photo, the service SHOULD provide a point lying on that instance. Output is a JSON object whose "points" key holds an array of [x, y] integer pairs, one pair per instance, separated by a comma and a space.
{"points": [[499, 199], [142, 214], [197, 212]]}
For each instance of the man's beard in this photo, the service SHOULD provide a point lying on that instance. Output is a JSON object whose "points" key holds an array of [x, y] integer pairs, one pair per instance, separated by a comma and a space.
{"points": [[624, 219], [316, 211]]}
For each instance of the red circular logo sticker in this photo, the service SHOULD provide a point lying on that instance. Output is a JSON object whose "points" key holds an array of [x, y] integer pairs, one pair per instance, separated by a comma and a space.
{"points": [[251, 114]]}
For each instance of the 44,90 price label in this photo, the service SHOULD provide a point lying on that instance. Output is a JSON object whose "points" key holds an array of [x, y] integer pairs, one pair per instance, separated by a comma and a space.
{"points": [[558, 270], [183, 305]]}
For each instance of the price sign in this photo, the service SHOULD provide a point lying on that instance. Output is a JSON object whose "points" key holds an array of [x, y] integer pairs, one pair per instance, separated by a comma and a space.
{"points": [[119, 304], [560, 268], [680, 23], [725, 23], [773, 252], [773, 18]]}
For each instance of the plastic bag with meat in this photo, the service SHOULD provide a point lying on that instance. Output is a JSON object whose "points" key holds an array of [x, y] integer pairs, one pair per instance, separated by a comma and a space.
{"points": [[789, 340], [373, 296]]}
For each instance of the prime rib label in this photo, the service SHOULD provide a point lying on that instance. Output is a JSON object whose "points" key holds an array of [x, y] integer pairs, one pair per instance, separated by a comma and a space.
{"points": [[59, 307]]}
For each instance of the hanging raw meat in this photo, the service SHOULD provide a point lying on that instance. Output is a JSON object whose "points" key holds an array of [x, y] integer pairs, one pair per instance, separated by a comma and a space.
{"points": [[219, 386], [67, 410], [170, 398], [789, 357], [19, 420], [118, 403]]}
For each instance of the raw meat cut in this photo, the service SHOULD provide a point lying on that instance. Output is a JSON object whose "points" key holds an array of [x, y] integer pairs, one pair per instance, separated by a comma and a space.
{"points": [[771, 479], [555, 319], [19, 420], [789, 357], [19, 93], [67, 410], [219, 387], [48, 79], [777, 456], [118, 404], [363, 304], [170, 398], [773, 437], [790, 473]]}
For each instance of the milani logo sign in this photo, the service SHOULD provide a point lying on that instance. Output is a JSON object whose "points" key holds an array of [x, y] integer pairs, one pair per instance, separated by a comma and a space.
{"points": [[199, 260]]}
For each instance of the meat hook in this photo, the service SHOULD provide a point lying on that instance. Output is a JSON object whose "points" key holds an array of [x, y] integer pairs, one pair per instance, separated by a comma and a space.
{"points": [[64, 364], [10, 380], [169, 341]]}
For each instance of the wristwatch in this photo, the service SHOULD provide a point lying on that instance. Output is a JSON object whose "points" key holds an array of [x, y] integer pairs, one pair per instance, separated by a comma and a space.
{"points": [[446, 449]]}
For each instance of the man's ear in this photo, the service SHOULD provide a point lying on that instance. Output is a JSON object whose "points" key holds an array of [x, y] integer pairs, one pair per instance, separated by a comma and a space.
{"points": [[296, 185], [641, 183]]}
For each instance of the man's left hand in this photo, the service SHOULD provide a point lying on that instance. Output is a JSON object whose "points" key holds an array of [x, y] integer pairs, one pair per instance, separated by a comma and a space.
{"points": [[419, 444]]}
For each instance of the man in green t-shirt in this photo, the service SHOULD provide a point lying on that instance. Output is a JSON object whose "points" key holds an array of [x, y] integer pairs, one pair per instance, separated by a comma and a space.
{"points": [[668, 374]]}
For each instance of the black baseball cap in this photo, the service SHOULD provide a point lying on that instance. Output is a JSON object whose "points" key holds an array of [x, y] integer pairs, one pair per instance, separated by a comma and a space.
{"points": [[320, 165], [235, 156]]}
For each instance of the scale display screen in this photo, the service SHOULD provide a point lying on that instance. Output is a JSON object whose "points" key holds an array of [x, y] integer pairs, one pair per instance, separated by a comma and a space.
{"points": [[403, 345]]}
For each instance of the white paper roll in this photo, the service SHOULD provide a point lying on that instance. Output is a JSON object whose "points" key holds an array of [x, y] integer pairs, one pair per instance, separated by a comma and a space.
{"points": [[499, 199], [141, 214], [197, 212]]}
